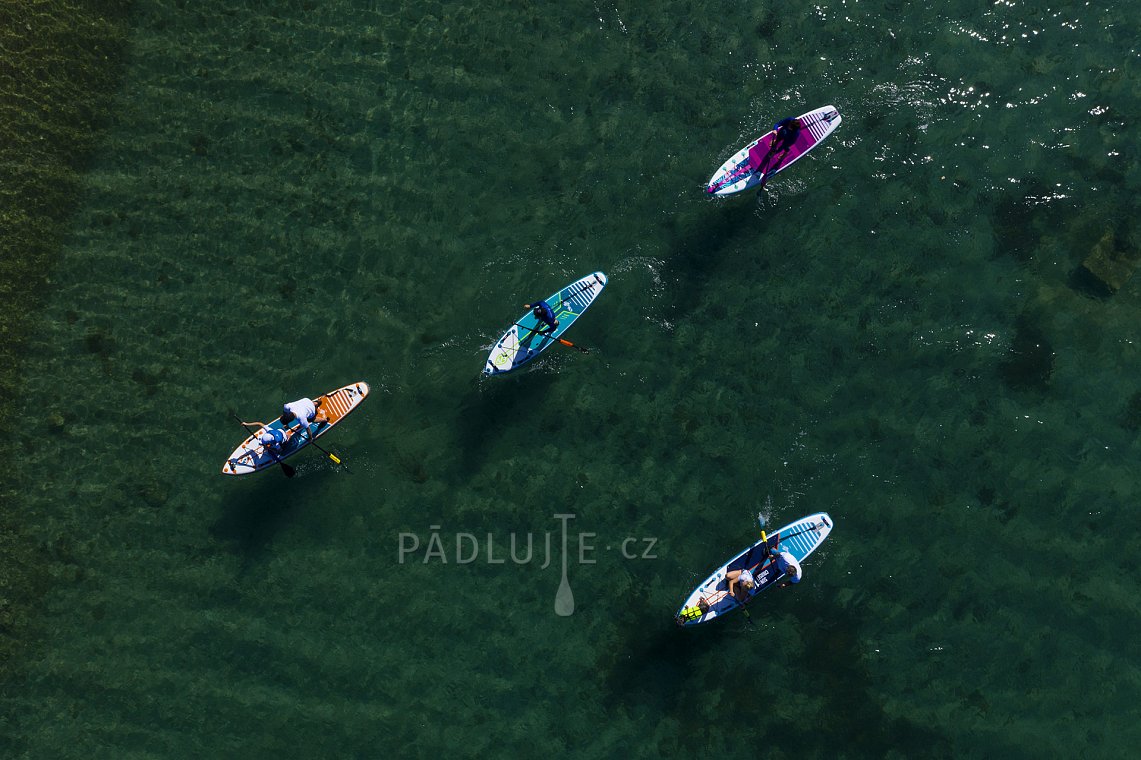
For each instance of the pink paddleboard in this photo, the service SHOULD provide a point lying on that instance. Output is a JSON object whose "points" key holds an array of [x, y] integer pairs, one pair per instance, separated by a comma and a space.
{"points": [[743, 170]]}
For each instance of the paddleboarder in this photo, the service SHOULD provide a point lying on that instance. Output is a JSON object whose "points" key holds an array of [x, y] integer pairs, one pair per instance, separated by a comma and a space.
{"points": [[545, 314], [786, 130], [744, 582], [274, 439], [788, 565], [785, 562], [306, 411]]}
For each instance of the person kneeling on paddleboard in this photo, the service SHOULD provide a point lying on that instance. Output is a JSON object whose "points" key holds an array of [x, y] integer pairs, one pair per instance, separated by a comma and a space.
{"points": [[304, 411], [543, 312], [743, 580], [788, 565]]}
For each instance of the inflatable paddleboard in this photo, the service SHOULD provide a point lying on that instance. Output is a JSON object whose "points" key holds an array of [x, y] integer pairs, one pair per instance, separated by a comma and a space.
{"points": [[711, 599], [251, 456], [523, 341], [742, 170]]}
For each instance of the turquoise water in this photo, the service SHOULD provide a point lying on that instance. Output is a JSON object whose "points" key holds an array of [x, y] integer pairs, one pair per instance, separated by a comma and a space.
{"points": [[292, 196]]}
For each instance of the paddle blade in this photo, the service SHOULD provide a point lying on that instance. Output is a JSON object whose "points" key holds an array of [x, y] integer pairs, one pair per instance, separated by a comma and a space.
{"points": [[289, 471]]}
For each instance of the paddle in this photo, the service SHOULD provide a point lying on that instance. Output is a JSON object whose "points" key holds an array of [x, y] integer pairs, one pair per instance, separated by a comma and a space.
{"points": [[560, 340], [330, 455], [809, 529], [289, 471]]}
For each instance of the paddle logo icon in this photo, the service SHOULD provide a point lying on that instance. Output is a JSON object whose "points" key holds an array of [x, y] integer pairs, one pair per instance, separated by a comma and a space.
{"points": [[564, 597]]}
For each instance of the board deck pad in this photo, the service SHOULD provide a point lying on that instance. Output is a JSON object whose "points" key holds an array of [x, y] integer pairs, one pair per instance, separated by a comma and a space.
{"points": [[523, 342], [741, 171], [799, 539], [251, 456]]}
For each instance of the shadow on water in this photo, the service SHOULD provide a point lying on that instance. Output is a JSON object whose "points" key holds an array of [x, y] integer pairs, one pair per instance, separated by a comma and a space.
{"points": [[1085, 282], [833, 669], [491, 408], [1020, 219], [667, 669], [697, 246], [659, 669], [1029, 363], [253, 513]]}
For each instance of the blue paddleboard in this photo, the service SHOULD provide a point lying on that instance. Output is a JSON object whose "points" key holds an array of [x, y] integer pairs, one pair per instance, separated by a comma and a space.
{"points": [[527, 337], [798, 539]]}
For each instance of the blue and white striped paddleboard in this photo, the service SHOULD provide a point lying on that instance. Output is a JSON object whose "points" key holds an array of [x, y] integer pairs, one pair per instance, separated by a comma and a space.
{"points": [[799, 539]]}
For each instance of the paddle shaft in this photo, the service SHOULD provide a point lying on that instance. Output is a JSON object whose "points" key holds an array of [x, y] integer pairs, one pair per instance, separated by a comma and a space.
{"points": [[780, 538], [560, 340], [335, 458]]}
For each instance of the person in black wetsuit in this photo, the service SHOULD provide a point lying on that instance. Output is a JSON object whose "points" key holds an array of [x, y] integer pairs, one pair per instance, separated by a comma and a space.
{"points": [[543, 312], [787, 130]]}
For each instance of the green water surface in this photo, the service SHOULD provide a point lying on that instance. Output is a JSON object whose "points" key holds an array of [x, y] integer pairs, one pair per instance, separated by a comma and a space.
{"points": [[285, 197]]}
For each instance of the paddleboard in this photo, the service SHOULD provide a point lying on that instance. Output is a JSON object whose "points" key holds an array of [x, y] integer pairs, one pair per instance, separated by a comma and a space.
{"points": [[251, 456], [742, 170], [523, 342], [798, 539]]}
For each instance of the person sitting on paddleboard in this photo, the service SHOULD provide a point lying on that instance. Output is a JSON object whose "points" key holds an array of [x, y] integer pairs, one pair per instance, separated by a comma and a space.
{"points": [[545, 314], [786, 130], [274, 439], [788, 565], [744, 582]]}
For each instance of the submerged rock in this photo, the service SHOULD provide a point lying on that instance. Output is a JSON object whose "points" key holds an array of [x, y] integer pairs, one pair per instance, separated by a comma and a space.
{"points": [[1111, 263]]}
